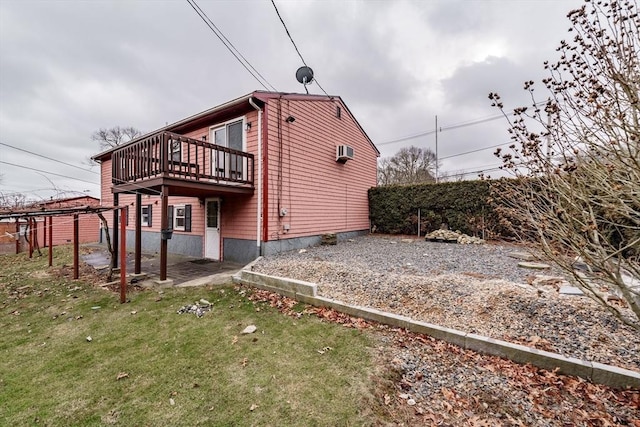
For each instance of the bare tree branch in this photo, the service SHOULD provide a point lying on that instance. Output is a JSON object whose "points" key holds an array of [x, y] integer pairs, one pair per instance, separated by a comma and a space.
{"points": [[411, 165], [114, 136], [577, 159]]}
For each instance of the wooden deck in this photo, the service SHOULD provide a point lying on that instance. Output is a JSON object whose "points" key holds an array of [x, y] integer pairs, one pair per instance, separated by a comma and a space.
{"points": [[185, 166]]}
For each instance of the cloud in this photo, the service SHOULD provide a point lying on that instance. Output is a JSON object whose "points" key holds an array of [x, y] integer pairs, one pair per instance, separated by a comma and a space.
{"points": [[70, 67]]}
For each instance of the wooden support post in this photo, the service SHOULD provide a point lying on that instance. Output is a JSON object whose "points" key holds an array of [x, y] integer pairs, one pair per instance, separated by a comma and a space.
{"points": [[114, 260], [164, 225], [50, 241], [30, 222], [123, 257], [17, 236], [76, 262], [44, 244], [138, 254]]}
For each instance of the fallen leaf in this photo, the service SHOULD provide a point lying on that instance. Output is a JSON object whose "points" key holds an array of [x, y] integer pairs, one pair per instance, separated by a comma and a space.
{"points": [[253, 407], [234, 340], [122, 375], [244, 362]]}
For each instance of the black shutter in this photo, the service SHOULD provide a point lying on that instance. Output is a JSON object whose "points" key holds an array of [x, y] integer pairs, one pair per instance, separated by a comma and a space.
{"points": [[187, 218], [149, 215], [170, 218]]}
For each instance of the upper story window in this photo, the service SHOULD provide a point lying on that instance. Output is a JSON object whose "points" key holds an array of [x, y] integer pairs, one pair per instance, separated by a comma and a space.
{"points": [[175, 150], [229, 135]]}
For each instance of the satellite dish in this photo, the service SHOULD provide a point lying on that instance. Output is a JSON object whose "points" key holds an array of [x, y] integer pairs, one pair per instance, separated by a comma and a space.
{"points": [[304, 75]]}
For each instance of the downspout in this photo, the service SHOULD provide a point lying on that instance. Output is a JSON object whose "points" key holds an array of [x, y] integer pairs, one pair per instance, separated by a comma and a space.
{"points": [[259, 211]]}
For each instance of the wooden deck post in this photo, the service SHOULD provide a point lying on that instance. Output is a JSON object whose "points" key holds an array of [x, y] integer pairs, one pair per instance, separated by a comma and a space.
{"points": [[30, 222], [123, 257], [164, 226], [76, 269], [50, 240], [114, 259], [17, 236], [138, 254], [44, 244]]}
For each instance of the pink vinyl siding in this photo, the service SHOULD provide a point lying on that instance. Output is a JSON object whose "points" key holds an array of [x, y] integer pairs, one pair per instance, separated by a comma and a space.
{"points": [[319, 194], [238, 213], [88, 229], [303, 178]]}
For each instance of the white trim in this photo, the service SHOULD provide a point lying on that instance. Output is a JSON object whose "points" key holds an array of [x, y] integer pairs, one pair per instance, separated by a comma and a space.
{"points": [[226, 170], [175, 217], [212, 130], [144, 219]]}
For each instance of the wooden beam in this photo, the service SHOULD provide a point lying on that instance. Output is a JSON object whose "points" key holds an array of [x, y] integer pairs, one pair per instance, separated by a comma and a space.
{"points": [[123, 256], [17, 236], [138, 251], [76, 234], [164, 226], [30, 222], [114, 227], [50, 241]]}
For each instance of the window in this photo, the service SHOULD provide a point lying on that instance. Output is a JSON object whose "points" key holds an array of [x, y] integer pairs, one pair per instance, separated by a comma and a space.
{"points": [[175, 151], [178, 219], [228, 165], [145, 219]]}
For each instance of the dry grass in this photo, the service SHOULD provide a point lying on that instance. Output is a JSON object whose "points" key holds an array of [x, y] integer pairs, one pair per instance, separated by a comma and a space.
{"points": [[181, 370]]}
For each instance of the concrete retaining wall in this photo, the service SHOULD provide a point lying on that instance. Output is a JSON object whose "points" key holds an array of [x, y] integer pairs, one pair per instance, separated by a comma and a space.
{"points": [[307, 292]]}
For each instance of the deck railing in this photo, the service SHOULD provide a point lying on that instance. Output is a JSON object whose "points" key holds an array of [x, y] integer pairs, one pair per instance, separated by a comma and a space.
{"points": [[169, 155]]}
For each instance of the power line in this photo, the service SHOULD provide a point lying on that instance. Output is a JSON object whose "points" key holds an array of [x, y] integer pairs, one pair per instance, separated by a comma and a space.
{"points": [[294, 44], [225, 41], [463, 124], [288, 34], [463, 173], [49, 158], [474, 151], [50, 173], [406, 138]]}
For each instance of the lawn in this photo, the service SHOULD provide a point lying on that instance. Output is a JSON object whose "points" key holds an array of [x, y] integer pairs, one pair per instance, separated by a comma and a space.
{"points": [[144, 364]]}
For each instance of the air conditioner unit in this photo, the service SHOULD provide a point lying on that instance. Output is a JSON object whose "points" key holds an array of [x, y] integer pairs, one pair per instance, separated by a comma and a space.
{"points": [[344, 153]]}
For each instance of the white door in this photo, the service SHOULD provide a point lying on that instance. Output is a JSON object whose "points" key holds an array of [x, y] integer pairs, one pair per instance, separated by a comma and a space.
{"points": [[212, 229]]}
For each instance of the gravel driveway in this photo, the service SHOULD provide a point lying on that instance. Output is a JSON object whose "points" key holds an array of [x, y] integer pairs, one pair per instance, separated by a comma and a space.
{"points": [[472, 288]]}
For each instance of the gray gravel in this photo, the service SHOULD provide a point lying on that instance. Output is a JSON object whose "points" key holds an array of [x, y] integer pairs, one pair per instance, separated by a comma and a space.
{"points": [[473, 288]]}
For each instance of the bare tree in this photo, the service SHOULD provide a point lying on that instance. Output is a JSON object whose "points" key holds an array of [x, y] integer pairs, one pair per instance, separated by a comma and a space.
{"points": [[577, 159], [412, 165], [112, 137], [10, 201]]}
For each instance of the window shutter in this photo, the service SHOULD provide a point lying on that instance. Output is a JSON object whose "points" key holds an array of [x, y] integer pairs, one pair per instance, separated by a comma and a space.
{"points": [[187, 218], [170, 217], [149, 215]]}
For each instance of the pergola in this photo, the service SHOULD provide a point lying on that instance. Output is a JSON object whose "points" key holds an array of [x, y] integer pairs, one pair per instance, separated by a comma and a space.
{"points": [[32, 214]]}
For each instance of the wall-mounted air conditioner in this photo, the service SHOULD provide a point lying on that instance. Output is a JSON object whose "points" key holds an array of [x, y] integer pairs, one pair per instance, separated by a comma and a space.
{"points": [[344, 153]]}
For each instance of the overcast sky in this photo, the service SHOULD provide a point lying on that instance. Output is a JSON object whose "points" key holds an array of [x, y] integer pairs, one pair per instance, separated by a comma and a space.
{"points": [[68, 68]]}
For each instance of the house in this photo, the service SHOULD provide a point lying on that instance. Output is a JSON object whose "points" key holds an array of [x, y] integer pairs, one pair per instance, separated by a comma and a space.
{"points": [[12, 230], [263, 173]]}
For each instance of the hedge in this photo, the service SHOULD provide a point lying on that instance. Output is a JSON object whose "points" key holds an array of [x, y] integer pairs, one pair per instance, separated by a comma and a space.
{"points": [[461, 206]]}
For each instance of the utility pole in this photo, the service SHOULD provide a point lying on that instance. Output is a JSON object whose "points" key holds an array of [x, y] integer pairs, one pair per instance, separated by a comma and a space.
{"points": [[436, 148]]}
